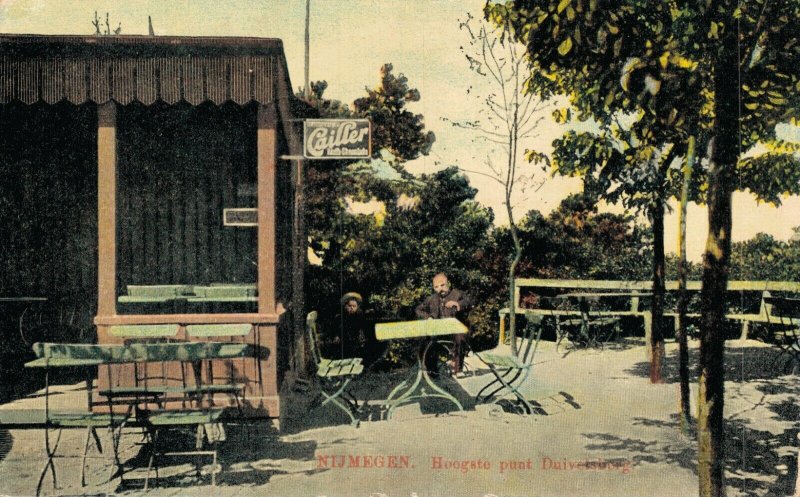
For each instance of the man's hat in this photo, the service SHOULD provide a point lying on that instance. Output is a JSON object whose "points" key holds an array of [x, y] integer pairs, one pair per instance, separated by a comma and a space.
{"points": [[347, 297]]}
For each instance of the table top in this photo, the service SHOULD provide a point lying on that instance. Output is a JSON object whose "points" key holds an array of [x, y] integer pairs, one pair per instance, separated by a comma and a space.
{"points": [[419, 328], [40, 418], [71, 355]]}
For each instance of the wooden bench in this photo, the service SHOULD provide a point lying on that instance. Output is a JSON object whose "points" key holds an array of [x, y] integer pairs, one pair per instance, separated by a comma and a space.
{"points": [[159, 333], [764, 288]]}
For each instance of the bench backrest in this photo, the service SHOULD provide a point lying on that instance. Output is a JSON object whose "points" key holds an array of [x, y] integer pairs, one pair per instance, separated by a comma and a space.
{"points": [[143, 352]]}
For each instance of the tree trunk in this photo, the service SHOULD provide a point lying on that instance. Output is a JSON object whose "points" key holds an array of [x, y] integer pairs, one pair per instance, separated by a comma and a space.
{"points": [[683, 296], [513, 141], [724, 154], [657, 333]]}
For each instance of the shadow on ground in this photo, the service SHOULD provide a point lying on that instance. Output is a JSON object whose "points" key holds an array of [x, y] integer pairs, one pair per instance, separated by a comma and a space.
{"points": [[757, 462], [302, 409], [251, 455], [6, 443], [742, 364]]}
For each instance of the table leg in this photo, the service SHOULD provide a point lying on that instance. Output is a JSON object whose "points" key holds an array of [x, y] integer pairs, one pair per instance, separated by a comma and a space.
{"points": [[421, 379]]}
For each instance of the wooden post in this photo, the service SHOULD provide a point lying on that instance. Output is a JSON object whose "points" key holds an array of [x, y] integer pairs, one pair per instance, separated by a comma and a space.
{"points": [[107, 209], [300, 360], [501, 339], [267, 160], [299, 254]]}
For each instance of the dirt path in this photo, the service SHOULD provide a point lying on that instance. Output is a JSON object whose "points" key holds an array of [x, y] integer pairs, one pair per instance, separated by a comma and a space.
{"points": [[607, 432]]}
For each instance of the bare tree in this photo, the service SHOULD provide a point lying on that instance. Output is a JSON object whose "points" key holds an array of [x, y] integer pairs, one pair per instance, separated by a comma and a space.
{"points": [[509, 115], [107, 32]]}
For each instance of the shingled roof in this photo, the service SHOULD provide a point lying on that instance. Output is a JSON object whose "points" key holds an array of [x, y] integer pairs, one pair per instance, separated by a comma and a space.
{"points": [[146, 69]]}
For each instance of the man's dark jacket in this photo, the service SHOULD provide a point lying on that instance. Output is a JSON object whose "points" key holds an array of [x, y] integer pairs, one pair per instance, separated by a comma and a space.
{"points": [[433, 306]]}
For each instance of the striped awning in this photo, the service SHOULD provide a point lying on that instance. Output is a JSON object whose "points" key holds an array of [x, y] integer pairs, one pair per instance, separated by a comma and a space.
{"points": [[145, 69]]}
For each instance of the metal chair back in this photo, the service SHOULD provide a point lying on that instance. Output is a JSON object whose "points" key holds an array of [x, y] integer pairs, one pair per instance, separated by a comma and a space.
{"points": [[313, 337]]}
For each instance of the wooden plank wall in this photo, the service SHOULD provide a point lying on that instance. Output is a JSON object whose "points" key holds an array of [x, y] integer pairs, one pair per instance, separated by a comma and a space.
{"points": [[179, 166], [48, 200]]}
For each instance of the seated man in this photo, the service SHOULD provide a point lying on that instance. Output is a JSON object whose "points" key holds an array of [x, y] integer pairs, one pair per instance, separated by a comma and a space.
{"points": [[447, 302]]}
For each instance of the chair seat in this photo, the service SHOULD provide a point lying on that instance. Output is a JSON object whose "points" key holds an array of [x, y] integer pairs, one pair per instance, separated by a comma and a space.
{"points": [[501, 360], [604, 321], [184, 418], [86, 419], [340, 367], [338, 363]]}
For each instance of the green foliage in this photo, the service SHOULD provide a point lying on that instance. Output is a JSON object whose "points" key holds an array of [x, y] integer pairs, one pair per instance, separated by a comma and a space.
{"points": [[394, 128], [767, 259], [651, 65], [327, 108], [575, 241], [775, 173]]}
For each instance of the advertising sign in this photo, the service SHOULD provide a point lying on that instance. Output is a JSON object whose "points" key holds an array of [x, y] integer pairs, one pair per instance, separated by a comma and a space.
{"points": [[337, 139]]}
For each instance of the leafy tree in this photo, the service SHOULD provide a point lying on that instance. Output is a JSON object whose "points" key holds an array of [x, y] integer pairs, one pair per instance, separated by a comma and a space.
{"points": [[395, 131], [394, 128], [575, 241], [764, 258], [674, 60]]}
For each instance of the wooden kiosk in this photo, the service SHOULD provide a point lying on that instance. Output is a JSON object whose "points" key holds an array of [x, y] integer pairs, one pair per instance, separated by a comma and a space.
{"points": [[145, 175]]}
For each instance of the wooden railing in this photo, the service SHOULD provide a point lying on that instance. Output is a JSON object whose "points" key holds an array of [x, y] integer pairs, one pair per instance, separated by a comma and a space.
{"points": [[634, 303]]}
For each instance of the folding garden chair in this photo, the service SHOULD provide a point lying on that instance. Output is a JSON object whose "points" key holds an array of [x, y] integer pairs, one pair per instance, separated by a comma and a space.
{"points": [[511, 370], [786, 313], [334, 375]]}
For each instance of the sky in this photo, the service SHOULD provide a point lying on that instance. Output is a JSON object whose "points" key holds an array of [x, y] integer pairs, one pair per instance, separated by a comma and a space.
{"points": [[350, 41]]}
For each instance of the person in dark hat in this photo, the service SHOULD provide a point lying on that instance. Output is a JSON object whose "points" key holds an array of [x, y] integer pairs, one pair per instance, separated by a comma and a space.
{"points": [[356, 330]]}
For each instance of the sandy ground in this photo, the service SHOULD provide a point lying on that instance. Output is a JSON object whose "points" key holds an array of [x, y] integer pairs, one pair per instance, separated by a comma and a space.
{"points": [[611, 418]]}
